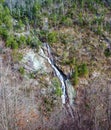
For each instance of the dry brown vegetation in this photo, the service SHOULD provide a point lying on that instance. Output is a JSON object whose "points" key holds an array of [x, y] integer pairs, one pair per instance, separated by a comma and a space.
{"points": [[30, 100]]}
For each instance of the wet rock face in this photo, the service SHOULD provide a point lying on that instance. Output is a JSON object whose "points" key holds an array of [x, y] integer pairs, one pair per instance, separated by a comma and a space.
{"points": [[35, 62], [71, 92]]}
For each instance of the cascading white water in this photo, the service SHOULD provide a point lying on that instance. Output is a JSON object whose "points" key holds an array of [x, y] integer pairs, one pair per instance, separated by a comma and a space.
{"points": [[61, 80], [59, 75], [68, 92]]}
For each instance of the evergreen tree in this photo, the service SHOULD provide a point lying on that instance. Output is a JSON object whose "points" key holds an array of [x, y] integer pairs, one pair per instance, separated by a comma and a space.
{"points": [[83, 70]]}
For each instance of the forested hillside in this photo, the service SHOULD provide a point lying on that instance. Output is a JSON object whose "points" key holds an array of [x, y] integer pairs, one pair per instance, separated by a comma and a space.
{"points": [[55, 64]]}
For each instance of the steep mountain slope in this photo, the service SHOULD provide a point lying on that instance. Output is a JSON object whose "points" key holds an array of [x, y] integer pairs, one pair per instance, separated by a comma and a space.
{"points": [[78, 34]]}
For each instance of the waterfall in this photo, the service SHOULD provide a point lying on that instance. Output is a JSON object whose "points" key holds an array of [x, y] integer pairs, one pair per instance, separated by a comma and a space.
{"points": [[58, 73], [61, 80], [68, 92]]}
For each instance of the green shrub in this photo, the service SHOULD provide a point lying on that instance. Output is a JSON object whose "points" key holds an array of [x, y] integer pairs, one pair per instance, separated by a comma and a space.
{"points": [[8, 22], [14, 45], [63, 38], [68, 22], [43, 35], [4, 33], [107, 52], [21, 70], [83, 70], [75, 78], [107, 27], [47, 106], [70, 13], [99, 30], [1, 1], [57, 85], [31, 75], [52, 37], [11, 42], [80, 18], [5, 17], [20, 24], [22, 41], [35, 43], [28, 40]]}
